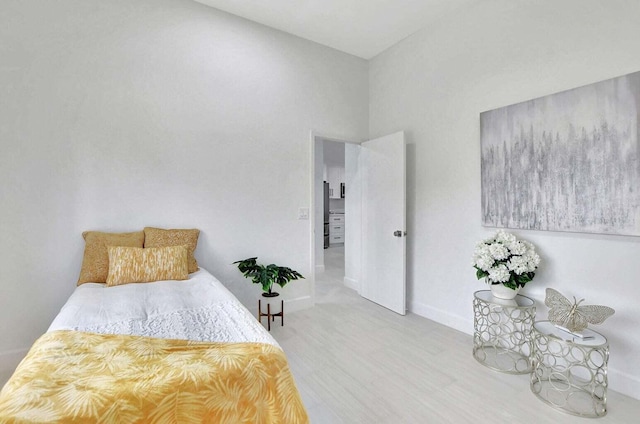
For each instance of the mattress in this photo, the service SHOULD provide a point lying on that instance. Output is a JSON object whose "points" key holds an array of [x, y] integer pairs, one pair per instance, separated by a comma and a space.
{"points": [[168, 351], [197, 309]]}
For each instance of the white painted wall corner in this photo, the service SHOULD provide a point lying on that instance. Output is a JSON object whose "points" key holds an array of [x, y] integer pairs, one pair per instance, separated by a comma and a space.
{"points": [[441, 317], [352, 283]]}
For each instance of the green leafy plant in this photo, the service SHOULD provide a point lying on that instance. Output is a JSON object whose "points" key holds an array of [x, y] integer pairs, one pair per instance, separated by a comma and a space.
{"points": [[267, 275]]}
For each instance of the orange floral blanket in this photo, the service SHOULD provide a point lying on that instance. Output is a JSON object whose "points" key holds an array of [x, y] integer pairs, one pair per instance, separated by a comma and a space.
{"points": [[71, 376]]}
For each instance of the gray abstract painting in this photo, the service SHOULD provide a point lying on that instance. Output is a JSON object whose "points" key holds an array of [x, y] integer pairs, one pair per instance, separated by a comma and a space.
{"points": [[569, 161]]}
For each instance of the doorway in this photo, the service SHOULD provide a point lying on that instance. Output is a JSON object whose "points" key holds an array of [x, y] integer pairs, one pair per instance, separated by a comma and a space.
{"points": [[334, 209], [337, 210], [374, 219]]}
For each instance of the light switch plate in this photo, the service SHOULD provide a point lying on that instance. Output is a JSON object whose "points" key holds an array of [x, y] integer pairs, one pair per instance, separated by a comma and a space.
{"points": [[303, 213]]}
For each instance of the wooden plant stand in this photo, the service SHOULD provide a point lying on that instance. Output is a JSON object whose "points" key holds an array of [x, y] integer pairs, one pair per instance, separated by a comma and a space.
{"points": [[271, 316]]}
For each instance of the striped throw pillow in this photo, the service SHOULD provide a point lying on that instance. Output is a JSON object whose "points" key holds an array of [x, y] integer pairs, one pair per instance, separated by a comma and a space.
{"points": [[144, 265]]}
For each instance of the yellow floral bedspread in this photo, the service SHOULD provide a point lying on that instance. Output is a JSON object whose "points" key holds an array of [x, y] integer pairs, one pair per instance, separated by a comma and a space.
{"points": [[71, 376]]}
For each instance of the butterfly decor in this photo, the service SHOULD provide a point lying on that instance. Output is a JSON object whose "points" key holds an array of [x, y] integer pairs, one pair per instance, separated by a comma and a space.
{"points": [[573, 316]]}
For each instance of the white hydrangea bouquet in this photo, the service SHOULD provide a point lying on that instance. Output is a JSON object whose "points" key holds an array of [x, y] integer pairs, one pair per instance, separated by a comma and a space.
{"points": [[505, 260]]}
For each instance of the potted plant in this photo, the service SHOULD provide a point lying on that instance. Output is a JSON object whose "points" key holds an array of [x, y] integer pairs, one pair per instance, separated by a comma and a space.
{"points": [[267, 275], [506, 263]]}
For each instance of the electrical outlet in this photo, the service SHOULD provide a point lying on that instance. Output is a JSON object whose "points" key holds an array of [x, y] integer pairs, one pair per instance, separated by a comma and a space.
{"points": [[303, 213]]}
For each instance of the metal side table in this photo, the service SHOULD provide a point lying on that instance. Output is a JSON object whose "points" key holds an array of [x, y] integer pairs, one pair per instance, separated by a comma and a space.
{"points": [[502, 332], [570, 373]]}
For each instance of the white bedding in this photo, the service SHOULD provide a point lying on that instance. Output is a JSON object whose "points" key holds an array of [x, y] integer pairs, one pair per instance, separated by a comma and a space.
{"points": [[199, 309]]}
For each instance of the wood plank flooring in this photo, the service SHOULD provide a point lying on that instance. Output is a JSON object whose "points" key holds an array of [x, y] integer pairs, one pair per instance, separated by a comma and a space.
{"points": [[356, 362]]}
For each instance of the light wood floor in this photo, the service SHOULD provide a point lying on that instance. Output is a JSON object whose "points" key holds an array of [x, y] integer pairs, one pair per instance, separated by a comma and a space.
{"points": [[356, 362]]}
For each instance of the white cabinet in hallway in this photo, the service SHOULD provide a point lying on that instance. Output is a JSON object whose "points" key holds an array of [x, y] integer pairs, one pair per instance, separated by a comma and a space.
{"points": [[336, 228]]}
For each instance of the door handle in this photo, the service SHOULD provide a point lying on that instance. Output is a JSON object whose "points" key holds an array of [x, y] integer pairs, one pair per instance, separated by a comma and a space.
{"points": [[399, 233]]}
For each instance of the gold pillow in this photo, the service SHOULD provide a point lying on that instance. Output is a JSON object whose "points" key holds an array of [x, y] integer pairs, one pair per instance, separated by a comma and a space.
{"points": [[157, 237], [138, 265], [95, 263]]}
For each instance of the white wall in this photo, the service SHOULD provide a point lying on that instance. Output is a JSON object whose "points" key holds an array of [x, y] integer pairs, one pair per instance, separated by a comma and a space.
{"points": [[434, 84], [119, 114], [333, 153]]}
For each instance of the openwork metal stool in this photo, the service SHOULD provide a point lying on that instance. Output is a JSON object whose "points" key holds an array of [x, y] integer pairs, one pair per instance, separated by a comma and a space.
{"points": [[570, 373], [502, 332]]}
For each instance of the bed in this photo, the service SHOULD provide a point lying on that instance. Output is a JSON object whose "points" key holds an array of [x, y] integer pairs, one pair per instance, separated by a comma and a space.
{"points": [[167, 351]]}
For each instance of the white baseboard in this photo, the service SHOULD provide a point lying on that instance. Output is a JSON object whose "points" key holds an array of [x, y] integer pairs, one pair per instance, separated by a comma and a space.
{"points": [[10, 359], [442, 317], [298, 304], [618, 381], [351, 283], [624, 383]]}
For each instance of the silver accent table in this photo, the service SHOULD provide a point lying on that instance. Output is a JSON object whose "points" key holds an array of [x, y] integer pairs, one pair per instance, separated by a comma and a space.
{"points": [[502, 332], [570, 373]]}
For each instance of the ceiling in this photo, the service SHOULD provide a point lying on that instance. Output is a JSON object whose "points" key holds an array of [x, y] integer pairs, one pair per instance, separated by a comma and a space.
{"points": [[362, 28]]}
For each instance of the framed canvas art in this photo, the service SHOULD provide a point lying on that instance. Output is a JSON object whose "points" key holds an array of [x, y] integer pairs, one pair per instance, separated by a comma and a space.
{"points": [[569, 161]]}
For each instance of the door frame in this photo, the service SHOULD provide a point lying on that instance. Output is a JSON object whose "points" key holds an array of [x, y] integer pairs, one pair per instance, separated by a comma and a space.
{"points": [[315, 136]]}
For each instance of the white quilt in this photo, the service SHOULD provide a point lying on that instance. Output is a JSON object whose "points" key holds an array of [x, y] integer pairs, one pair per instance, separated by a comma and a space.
{"points": [[199, 309]]}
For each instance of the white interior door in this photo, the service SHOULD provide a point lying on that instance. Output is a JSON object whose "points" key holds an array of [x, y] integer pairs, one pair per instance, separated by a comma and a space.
{"points": [[383, 163]]}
